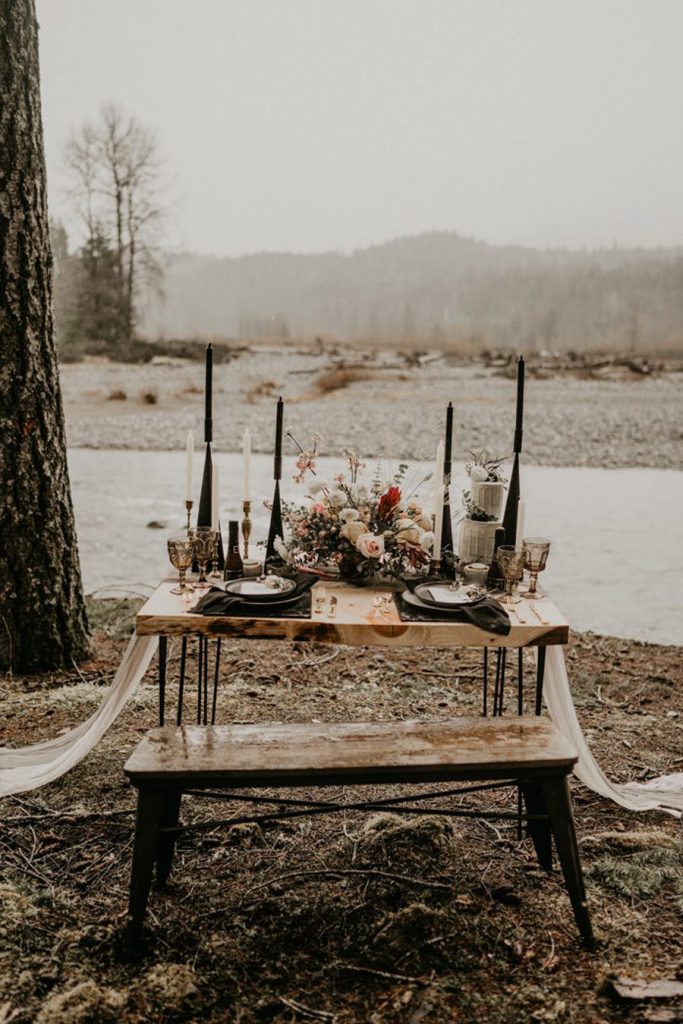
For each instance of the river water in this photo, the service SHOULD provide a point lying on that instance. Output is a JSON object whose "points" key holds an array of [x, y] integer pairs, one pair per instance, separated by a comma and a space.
{"points": [[616, 562]]}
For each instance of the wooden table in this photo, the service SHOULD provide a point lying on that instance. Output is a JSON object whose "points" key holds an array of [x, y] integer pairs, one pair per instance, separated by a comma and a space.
{"points": [[356, 622]]}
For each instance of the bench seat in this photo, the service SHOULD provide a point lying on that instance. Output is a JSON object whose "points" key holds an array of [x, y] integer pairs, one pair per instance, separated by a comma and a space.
{"points": [[282, 754], [528, 752]]}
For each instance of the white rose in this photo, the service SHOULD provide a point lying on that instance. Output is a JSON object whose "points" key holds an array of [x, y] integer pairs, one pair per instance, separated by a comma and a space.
{"points": [[425, 522], [478, 474], [360, 492], [411, 535], [427, 540], [348, 514], [316, 486], [353, 530], [404, 524], [337, 499], [370, 546]]}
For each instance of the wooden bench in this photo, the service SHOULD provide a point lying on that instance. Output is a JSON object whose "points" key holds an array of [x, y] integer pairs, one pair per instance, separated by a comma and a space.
{"points": [[529, 752]]}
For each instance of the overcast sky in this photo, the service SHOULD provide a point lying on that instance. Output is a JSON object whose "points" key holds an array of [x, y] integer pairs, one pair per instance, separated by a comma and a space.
{"points": [[317, 124]]}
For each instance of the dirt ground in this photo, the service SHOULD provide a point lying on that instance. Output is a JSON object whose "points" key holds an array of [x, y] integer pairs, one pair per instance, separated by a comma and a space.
{"points": [[353, 918]]}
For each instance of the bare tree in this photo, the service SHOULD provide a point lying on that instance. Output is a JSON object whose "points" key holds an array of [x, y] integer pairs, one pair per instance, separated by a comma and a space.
{"points": [[42, 612], [117, 194]]}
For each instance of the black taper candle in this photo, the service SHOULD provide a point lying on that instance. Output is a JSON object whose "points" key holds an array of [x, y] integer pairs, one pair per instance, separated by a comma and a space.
{"points": [[208, 396], [519, 421], [277, 465], [447, 528], [512, 502], [275, 529], [204, 508]]}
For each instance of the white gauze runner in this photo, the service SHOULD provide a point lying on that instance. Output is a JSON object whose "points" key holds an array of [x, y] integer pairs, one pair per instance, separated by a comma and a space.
{"points": [[664, 793], [34, 766]]}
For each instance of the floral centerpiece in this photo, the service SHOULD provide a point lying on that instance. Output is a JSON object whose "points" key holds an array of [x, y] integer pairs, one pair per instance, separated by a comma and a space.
{"points": [[355, 529]]}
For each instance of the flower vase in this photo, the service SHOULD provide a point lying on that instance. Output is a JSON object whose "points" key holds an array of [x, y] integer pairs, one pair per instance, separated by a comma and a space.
{"points": [[476, 540], [488, 496]]}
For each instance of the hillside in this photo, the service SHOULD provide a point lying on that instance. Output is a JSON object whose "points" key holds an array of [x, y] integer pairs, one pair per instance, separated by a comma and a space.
{"points": [[438, 288]]}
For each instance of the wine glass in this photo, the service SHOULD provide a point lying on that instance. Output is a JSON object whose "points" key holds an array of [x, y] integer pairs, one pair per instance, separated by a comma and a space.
{"points": [[535, 556], [180, 554], [510, 558], [203, 544]]}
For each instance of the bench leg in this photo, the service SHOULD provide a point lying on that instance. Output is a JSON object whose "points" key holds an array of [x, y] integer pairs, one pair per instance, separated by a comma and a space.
{"points": [[557, 800], [539, 831], [147, 823], [166, 842]]}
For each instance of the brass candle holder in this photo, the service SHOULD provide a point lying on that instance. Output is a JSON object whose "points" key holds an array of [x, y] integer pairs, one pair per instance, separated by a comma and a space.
{"points": [[246, 527], [188, 508], [435, 567]]}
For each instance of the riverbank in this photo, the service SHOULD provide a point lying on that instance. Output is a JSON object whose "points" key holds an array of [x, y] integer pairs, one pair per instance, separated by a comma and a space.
{"points": [[361, 919], [379, 405]]}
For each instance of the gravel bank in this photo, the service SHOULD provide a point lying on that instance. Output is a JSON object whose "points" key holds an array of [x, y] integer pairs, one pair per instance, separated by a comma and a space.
{"points": [[569, 422]]}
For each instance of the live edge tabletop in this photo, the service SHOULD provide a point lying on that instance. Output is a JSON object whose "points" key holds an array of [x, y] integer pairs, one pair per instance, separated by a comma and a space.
{"points": [[356, 623]]}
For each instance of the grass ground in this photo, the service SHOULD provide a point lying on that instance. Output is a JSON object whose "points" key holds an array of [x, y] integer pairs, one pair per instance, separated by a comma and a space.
{"points": [[347, 919]]}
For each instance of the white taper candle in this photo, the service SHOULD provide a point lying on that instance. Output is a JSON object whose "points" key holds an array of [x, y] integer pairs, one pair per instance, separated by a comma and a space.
{"points": [[521, 508], [189, 452], [246, 459], [438, 501]]}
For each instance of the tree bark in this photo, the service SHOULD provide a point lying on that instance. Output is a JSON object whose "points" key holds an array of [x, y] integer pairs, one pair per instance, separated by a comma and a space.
{"points": [[42, 611]]}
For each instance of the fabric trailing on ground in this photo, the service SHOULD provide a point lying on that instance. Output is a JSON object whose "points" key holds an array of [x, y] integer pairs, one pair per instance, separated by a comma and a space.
{"points": [[36, 765], [33, 766], [664, 793]]}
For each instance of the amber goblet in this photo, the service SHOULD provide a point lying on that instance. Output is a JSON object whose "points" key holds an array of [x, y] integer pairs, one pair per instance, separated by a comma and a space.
{"points": [[535, 557]]}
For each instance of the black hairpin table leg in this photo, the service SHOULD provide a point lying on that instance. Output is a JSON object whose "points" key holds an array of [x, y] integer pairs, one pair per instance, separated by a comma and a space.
{"points": [[540, 672], [499, 690], [200, 666], [496, 684], [520, 681], [216, 670], [163, 653], [485, 696], [181, 680], [205, 683]]}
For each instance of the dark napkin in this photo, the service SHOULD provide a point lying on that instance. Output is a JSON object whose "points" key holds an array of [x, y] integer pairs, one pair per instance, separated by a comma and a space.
{"points": [[487, 614], [217, 602]]}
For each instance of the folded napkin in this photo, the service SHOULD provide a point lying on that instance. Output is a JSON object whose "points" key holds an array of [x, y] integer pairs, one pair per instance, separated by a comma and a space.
{"points": [[217, 602], [487, 614]]}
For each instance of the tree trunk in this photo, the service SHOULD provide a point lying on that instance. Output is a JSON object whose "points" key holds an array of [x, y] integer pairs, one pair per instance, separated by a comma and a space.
{"points": [[42, 612]]}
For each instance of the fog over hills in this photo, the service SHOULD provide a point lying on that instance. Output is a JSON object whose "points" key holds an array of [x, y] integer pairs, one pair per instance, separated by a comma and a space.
{"points": [[436, 288]]}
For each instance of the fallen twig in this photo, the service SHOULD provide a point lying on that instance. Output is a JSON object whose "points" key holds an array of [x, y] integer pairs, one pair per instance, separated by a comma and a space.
{"points": [[390, 975], [367, 873], [307, 1011]]}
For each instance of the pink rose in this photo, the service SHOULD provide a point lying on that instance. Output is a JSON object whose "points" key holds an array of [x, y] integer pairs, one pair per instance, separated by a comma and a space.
{"points": [[370, 546]]}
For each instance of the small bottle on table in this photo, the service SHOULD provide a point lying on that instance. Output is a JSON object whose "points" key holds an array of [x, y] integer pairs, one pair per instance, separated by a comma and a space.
{"points": [[233, 561]]}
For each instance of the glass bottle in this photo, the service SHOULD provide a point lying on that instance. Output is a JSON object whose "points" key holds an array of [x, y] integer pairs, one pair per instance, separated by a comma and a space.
{"points": [[233, 561]]}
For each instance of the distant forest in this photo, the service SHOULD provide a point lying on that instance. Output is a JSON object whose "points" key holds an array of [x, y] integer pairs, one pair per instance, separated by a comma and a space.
{"points": [[436, 290]]}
